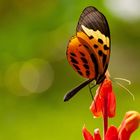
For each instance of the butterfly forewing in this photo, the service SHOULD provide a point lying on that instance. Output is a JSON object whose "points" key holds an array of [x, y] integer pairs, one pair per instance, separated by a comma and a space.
{"points": [[100, 46], [93, 19]]}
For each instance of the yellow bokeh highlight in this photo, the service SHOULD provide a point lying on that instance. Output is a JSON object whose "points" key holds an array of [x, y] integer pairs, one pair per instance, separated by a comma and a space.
{"points": [[30, 77]]}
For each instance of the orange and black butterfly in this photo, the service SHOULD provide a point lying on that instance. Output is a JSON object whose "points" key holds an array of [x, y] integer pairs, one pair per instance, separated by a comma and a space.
{"points": [[88, 52]]}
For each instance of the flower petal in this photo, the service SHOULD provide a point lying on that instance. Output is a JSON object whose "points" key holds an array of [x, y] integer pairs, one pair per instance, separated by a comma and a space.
{"points": [[104, 96], [97, 134], [96, 106], [111, 104], [112, 133], [129, 124], [86, 134]]}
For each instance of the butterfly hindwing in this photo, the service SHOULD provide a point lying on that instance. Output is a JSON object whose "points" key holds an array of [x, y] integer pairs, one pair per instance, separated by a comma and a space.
{"points": [[80, 57]]}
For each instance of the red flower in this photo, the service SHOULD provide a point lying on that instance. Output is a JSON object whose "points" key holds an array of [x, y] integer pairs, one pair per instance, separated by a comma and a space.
{"points": [[104, 105], [88, 136], [112, 133], [129, 124], [104, 102]]}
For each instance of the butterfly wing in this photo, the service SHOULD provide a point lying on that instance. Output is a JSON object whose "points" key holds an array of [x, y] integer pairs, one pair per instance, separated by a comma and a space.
{"points": [[81, 57], [72, 92], [99, 48], [93, 19]]}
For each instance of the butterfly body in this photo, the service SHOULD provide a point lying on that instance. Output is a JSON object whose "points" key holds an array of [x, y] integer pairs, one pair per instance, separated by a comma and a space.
{"points": [[88, 52]]}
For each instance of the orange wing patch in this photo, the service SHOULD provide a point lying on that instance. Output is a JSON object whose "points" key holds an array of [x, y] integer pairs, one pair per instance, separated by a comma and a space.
{"points": [[79, 57]]}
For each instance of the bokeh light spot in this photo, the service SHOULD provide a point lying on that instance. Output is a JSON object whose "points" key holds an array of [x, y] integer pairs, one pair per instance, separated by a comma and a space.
{"points": [[11, 80], [36, 75], [30, 77], [126, 9]]}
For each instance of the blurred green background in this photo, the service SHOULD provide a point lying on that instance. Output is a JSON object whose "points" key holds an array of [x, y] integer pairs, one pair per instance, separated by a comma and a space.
{"points": [[35, 75]]}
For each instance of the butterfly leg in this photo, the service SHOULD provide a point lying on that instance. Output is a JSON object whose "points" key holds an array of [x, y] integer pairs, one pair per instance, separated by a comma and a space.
{"points": [[90, 90]]}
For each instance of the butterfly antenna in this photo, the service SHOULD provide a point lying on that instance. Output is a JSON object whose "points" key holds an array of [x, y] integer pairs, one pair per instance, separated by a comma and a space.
{"points": [[122, 79], [125, 89]]}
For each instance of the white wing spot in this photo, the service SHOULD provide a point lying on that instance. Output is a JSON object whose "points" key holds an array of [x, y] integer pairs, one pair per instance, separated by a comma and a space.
{"points": [[96, 34]]}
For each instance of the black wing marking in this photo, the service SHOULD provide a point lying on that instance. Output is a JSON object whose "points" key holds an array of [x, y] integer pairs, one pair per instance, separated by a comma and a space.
{"points": [[93, 19]]}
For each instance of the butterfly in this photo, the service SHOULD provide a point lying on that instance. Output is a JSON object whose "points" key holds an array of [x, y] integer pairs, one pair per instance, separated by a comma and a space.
{"points": [[88, 52]]}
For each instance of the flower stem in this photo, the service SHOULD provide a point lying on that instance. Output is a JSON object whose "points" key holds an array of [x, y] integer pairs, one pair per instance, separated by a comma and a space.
{"points": [[105, 115]]}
